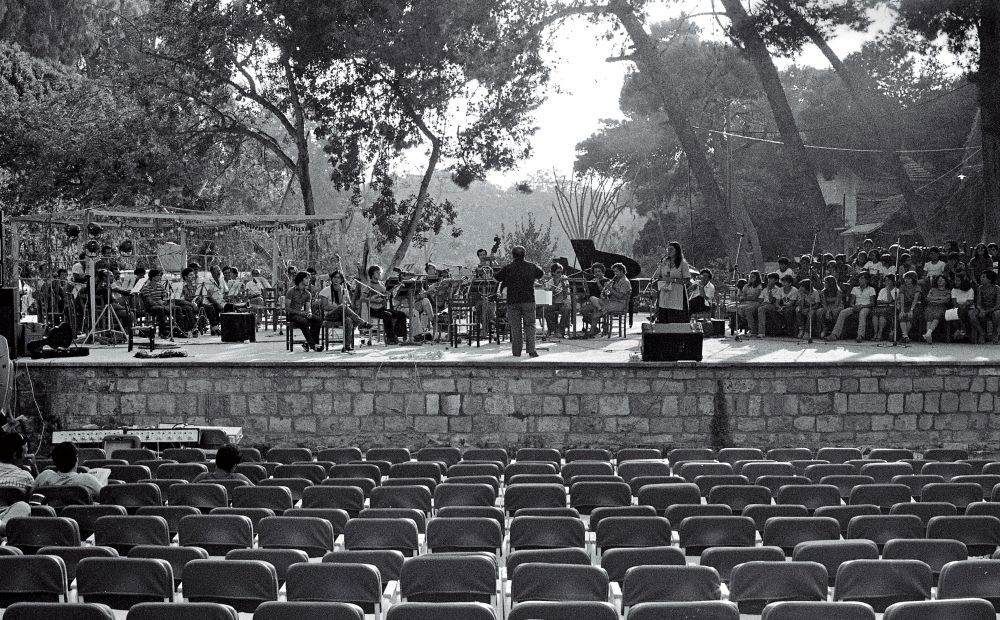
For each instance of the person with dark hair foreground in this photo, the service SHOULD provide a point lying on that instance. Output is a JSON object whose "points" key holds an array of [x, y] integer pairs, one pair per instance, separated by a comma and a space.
{"points": [[12, 475], [519, 278], [64, 457], [226, 458]]}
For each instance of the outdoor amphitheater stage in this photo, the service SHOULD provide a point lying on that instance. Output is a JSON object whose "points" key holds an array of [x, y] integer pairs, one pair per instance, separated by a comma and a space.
{"points": [[772, 392]]}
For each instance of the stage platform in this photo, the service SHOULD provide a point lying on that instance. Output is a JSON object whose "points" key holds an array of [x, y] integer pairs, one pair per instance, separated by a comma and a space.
{"points": [[772, 392]]}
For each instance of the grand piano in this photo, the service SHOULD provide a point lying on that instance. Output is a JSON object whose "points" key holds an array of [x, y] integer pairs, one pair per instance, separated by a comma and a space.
{"points": [[586, 255]]}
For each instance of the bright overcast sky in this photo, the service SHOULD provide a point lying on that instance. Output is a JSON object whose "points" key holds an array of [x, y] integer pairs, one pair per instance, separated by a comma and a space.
{"points": [[585, 87]]}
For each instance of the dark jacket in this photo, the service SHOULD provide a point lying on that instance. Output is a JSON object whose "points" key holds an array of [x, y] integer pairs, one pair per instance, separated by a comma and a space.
{"points": [[519, 278]]}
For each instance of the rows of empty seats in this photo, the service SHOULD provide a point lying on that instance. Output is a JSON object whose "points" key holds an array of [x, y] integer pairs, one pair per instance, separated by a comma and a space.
{"points": [[442, 533]]}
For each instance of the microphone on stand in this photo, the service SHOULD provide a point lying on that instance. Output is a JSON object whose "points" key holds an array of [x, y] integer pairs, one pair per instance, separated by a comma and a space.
{"points": [[739, 234]]}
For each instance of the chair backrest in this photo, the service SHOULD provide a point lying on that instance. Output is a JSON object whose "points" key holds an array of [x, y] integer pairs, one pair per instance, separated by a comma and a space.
{"points": [[563, 610], [59, 497], [356, 470], [425, 482], [883, 528], [945, 454], [582, 467], [702, 610], [463, 469], [171, 611], [682, 455], [243, 584], [349, 499], [731, 455], [618, 561], [130, 473], [310, 471], [692, 469], [417, 497], [254, 514], [572, 555], [448, 578], [310, 534], [961, 494], [789, 454], [585, 496], [547, 455], [358, 584], [123, 533], [29, 534], [881, 583], [464, 534], [121, 583], [663, 496], [171, 514], [883, 473], [389, 562], [87, 516], [202, 496], [987, 481], [882, 495], [464, 495], [280, 559], [760, 513], [295, 485], [254, 471], [916, 482], [925, 511], [287, 456], [441, 611], [440, 454], [971, 579], [32, 578], [498, 455], [131, 496], [756, 469], [812, 496], [981, 534], [218, 534], [634, 468], [890, 454], [398, 534], [810, 610], [966, 609], [723, 559], [340, 455], [558, 582], [183, 471], [587, 454], [933, 553], [786, 532], [278, 499], [63, 611], [832, 553], [178, 557], [846, 483], [392, 455], [416, 469], [679, 512], [517, 479], [617, 532], [367, 485], [738, 497], [817, 472], [71, 556], [752, 585], [654, 584], [546, 533], [534, 496], [132, 455], [838, 455], [700, 533]]}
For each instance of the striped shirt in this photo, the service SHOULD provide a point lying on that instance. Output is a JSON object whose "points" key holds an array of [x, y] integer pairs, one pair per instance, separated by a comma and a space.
{"points": [[14, 476]]}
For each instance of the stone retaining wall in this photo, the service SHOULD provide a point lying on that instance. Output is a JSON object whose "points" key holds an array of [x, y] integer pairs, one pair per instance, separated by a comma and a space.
{"points": [[856, 404]]}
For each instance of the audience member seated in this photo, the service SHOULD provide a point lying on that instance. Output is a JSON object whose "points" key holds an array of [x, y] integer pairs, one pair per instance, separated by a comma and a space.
{"points": [[64, 458], [12, 475], [861, 303], [226, 458]]}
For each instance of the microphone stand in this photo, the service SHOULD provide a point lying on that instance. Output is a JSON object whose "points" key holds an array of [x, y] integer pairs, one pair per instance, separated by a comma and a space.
{"points": [[736, 270], [812, 257], [895, 310], [343, 302]]}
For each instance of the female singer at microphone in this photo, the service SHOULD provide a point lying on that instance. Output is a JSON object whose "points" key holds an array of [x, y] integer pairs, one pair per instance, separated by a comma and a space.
{"points": [[672, 276]]}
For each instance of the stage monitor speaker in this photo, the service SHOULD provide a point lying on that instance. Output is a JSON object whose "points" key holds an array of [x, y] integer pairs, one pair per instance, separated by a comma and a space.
{"points": [[8, 320], [238, 327], [670, 342]]}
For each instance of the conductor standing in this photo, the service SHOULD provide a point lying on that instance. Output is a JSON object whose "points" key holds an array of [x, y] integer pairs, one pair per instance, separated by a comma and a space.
{"points": [[519, 278]]}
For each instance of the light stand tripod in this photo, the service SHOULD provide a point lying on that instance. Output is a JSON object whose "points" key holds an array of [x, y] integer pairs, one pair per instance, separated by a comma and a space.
{"points": [[112, 320]]}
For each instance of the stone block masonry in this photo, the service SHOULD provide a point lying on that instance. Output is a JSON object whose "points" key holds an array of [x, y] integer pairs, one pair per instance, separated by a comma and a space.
{"points": [[537, 404]]}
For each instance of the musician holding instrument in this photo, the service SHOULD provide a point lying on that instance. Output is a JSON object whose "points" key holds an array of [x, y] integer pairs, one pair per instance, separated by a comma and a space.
{"points": [[298, 312], [418, 306], [192, 299], [377, 295], [559, 313], [592, 308], [334, 304], [155, 296], [672, 276]]}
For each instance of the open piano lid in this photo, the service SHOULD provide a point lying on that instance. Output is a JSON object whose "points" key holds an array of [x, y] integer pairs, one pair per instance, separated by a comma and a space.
{"points": [[588, 254]]}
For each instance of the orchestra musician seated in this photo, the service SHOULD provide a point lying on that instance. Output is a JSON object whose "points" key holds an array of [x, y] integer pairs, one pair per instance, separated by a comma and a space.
{"points": [[560, 312], [394, 321], [193, 297], [591, 309], [109, 294], [298, 312], [617, 291], [334, 304], [704, 293], [440, 287], [156, 295], [418, 307]]}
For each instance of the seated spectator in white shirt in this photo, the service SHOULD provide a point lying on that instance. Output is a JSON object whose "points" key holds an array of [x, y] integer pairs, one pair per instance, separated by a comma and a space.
{"points": [[226, 458], [934, 266], [784, 268], [705, 293], [64, 457], [862, 302], [12, 475]]}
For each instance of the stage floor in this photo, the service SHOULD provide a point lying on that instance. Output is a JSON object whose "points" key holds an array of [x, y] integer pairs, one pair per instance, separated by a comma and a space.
{"points": [[270, 350]]}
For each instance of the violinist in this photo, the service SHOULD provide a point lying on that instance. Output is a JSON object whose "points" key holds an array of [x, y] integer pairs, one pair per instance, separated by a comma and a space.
{"points": [[591, 309], [559, 313], [378, 303]]}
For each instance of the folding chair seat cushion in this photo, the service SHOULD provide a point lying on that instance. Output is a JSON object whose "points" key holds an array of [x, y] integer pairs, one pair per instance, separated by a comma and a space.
{"points": [[63, 611], [618, 561], [971, 579], [753, 585], [966, 609], [388, 562], [832, 553], [29, 534], [812, 610], [881, 583], [558, 582], [177, 557], [700, 610], [723, 559], [243, 584], [310, 534], [464, 535], [32, 578], [653, 584], [562, 610], [700, 533], [448, 578], [441, 611], [617, 532], [981, 534], [121, 583], [217, 534], [546, 533]]}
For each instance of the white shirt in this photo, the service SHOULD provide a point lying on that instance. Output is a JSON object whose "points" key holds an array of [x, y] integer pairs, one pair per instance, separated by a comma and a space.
{"points": [[934, 269], [872, 267], [883, 295], [961, 296], [787, 272], [862, 296]]}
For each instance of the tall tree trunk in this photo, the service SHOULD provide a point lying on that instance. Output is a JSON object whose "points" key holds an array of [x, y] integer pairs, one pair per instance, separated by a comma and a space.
{"points": [[870, 105], [729, 220], [745, 30], [302, 156], [988, 81]]}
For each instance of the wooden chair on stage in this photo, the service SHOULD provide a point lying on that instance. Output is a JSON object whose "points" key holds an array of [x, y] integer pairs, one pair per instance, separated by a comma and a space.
{"points": [[271, 312], [614, 321], [464, 321]]}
